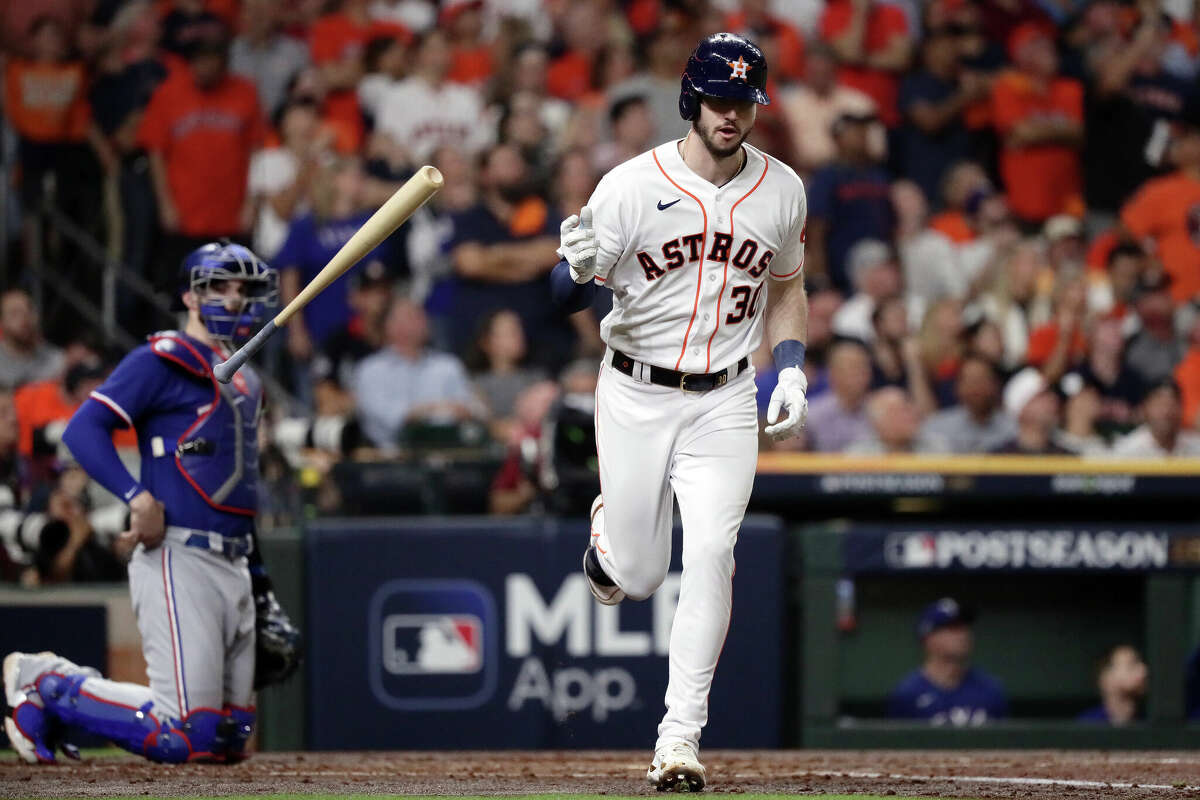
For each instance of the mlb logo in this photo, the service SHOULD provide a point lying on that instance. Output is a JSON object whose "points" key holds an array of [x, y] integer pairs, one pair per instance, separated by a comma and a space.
{"points": [[433, 645], [911, 550]]}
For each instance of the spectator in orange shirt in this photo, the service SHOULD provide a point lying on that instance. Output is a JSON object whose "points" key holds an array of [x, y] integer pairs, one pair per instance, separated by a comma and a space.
{"points": [[42, 404], [44, 408], [471, 56], [781, 43], [1165, 214], [45, 98], [583, 28], [873, 43], [1187, 375], [200, 129], [337, 42], [1038, 117]]}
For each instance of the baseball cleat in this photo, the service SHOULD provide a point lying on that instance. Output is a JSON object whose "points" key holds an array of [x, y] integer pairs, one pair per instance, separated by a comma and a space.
{"points": [[32, 731], [676, 768], [603, 588], [27, 734], [28, 724]]}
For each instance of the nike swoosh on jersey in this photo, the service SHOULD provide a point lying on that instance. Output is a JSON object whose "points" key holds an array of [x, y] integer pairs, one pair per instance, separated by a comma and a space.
{"points": [[661, 207]]}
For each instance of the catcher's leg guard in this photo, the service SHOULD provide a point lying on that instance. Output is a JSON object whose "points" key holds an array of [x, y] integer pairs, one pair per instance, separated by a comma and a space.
{"points": [[217, 735], [133, 728], [241, 725]]}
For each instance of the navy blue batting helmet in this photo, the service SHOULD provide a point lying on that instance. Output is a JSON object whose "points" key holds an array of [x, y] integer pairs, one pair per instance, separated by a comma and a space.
{"points": [[723, 65]]}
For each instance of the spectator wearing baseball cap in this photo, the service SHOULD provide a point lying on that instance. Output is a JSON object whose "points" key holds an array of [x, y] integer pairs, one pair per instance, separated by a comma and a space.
{"points": [[848, 201], [946, 689], [1038, 117], [1032, 402]]}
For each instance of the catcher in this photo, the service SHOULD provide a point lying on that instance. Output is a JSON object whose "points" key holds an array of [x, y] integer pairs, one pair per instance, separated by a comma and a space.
{"points": [[202, 598]]}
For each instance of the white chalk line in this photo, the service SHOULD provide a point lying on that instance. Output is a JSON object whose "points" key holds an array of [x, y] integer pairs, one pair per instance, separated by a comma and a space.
{"points": [[1062, 782]]}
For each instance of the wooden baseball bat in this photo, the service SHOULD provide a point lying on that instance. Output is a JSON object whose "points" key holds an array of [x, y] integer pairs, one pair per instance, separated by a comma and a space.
{"points": [[391, 215]]}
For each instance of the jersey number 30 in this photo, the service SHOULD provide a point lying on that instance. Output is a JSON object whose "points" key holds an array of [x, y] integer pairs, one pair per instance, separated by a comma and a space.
{"points": [[745, 306]]}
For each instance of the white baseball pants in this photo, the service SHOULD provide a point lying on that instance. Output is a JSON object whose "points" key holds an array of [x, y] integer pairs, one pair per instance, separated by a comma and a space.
{"points": [[653, 441]]}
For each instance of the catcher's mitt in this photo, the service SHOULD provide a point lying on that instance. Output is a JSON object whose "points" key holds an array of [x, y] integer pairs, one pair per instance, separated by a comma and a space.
{"points": [[278, 647]]}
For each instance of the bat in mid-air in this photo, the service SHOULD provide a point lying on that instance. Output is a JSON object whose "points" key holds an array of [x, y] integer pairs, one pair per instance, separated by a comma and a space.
{"points": [[390, 216]]}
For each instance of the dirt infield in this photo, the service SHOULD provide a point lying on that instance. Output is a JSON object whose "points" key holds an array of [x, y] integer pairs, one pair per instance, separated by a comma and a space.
{"points": [[979, 774]]}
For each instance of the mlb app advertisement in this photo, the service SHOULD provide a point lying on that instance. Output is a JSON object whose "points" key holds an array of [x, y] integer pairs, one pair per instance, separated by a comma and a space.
{"points": [[484, 634]]}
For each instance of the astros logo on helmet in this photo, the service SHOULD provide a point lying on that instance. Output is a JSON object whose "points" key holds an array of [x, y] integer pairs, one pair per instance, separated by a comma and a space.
{"points": [[723, 65]]}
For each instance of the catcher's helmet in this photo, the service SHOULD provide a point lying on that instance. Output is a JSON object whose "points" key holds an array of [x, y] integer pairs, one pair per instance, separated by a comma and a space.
{"points": [[723, 65], [225, 261]]}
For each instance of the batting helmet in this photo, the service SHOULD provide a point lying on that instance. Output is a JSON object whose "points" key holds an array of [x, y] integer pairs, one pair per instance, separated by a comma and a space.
{"points": [[723, 65]]}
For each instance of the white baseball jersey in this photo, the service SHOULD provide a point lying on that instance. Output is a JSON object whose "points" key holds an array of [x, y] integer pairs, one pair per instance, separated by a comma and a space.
{"points": [[688, 262]]}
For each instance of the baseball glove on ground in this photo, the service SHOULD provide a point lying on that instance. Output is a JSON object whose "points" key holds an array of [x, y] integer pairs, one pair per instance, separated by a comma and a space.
{"points": [[278, 647]]}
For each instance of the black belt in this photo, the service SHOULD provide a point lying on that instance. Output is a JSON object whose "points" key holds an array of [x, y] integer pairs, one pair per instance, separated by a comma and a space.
{"points": [[687, 381]]}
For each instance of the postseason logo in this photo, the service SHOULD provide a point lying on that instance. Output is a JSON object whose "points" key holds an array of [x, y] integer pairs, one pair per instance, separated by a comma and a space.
{"points": [[433, 645], [1027, 549]]}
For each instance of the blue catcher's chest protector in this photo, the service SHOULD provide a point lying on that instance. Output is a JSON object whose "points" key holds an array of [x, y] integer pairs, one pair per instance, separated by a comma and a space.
{"points": [[218, 452]]}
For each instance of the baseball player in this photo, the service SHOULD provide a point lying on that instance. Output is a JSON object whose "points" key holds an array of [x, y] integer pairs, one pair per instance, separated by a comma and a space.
{"points": [[191, 533], [702, 242]]}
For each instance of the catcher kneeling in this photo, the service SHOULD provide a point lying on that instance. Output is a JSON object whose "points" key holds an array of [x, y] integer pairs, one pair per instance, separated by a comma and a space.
{"points": [[202, 598]]}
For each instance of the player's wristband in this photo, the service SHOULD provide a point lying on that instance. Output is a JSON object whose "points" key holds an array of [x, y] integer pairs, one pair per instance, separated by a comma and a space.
{"points": [[788, 353]]}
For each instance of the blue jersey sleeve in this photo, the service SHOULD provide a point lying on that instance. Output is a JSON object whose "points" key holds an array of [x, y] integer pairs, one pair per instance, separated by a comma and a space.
{"points": [[89, 438], [135, 385], [130, 391]]}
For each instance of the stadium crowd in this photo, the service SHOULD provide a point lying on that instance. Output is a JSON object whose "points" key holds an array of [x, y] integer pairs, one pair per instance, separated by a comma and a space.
{"points": [[1003, 243]]}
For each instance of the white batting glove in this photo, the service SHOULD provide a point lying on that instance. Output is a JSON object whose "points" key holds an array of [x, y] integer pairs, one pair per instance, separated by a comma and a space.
{"points": [[577, 244], [789, 391]]}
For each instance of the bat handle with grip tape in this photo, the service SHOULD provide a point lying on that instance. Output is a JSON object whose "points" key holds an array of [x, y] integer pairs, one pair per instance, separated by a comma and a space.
{"points": [[224, 371]]}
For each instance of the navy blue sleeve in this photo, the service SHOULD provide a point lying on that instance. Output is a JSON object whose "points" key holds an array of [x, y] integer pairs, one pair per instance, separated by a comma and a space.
{"points": [[89, 437], [820, 193], [135, 386], [566, 293]]}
